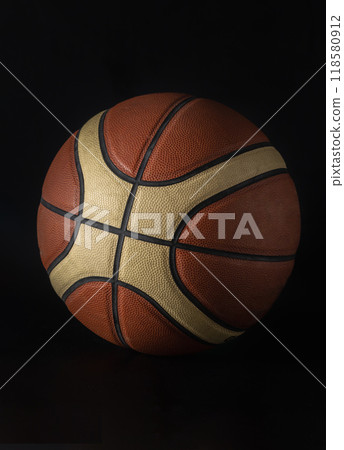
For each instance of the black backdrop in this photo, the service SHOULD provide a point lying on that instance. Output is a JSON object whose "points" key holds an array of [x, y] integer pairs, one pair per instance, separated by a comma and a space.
{"points": [[79, 389]]}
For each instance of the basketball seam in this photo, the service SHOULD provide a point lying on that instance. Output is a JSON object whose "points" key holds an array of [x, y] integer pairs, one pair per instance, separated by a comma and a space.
{"points": [[129, 205], [103, 147], [81, 282], [208, 165], [205, 166], [191, 297], [83, 220], [123, 232], [105, 153], [161, 310], [190, 214], [214, 198], [181, 245]]}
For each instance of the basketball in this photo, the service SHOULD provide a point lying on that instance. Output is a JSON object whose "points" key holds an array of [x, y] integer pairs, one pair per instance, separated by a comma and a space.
{"points": [[168, 224]]}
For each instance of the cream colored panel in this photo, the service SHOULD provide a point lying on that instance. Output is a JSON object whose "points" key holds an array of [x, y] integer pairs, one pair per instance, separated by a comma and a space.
{"points": [[149, 271], [175, 198], [92, 254], [105, 193]]}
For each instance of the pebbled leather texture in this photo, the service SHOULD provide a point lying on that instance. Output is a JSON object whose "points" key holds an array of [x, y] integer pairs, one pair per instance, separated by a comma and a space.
{"points": [[51, 234], [256, 284], [273, 204], [185, 195], [87, 258], [61, 186], [139, 318], [129, 127], [149, 270], [128, 160], [95, 314], [105, 194], [203, 131]]}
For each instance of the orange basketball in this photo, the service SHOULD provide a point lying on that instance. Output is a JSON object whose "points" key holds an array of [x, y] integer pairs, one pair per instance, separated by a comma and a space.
{"points": [[168, 224]]}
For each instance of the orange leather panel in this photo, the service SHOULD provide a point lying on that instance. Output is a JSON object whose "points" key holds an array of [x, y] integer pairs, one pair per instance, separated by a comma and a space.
{"points": [[97, 312], [50, 234], [201, 131], [61, 184], [130, 125], [256, 284], [274, 206], [146, 330]]}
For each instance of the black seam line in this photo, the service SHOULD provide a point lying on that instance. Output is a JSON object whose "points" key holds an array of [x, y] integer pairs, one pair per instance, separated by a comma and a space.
{"points": [[184, 177], [57, 210], [211, 251], [181, 245], [83, 220], [181, 226], [224, 193], [79, 283], [129, 205], [191, 297], [162, 311], [233, 255], [67, 249], [206, 166], [105, 153], [184, 246]]}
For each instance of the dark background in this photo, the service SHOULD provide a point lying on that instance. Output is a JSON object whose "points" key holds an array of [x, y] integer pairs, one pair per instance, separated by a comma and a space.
{"points": [[79, 391]]}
